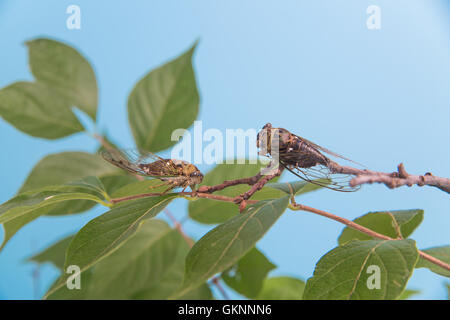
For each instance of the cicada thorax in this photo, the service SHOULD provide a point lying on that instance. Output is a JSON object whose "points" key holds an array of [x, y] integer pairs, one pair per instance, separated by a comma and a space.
{"points": [[295, 151], [291, 149], [161, 168]]}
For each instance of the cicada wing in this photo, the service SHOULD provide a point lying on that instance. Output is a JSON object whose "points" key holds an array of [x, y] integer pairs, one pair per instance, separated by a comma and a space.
{"points": [[332, 153], [322, 176], [122, 159], [139, 162]]}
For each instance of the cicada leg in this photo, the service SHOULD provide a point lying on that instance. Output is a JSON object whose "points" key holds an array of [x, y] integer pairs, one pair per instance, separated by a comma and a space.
{"points": [[165, 183], [168, 189]]}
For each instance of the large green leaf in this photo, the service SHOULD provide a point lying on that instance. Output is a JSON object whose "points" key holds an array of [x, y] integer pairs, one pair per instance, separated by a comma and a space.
{"points": [[296, 187], [408, 293], [164, 100], [384, 222], [27, 206], [54, 254], [282, 288], [28, 202], [223, 246], [106, 233], [350, 271], [149, 265], [139, 187], [248, 274], [63, 208], [60, 168], [212, 212], [63, 167], [442, 253], [34, 109], [66, 71]]}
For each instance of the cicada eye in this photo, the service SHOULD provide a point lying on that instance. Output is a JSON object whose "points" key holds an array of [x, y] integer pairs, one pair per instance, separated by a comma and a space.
{"points": [[194, 174]]}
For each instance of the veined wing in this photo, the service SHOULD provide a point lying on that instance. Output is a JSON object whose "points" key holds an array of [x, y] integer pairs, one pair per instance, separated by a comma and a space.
{"points": [[328, 151], [143, 163], [322, 176]]}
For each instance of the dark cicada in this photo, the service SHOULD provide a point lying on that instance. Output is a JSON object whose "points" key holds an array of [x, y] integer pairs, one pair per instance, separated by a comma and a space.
{"points": [[174, 173], [303, 158]]}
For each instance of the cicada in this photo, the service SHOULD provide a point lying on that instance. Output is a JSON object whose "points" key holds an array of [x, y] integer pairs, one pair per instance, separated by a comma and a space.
{"points": [[174, 173], [303, 158]]}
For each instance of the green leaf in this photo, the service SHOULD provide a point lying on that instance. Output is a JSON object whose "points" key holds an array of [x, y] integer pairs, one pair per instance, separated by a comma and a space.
{"points": [[149, 265], [139, 187], [54, 254], [114, 183], [297, 187], [64, 167], [223, 246], [156, 254], [282, 288], [212, 212], [34, 109], [384, 222], [164, 100], [63, 293], [447, 285], [442, 253], [348, 271], [408, 293], [103, 235], [28, 202], [248, 274], [27, 206], [66, 71]]}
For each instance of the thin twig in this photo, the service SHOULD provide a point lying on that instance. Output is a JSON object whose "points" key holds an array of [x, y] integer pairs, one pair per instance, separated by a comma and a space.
{"points": [[393, 179], [216, 281], [190, 243], [229, 183], [179, 228], [102, 141], [364, 230], [242, 199], [189, 194]]}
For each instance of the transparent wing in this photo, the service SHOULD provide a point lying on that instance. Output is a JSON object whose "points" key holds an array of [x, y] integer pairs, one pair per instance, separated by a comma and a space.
{"points": [[328, 151], [139, 162], [322, 176]]}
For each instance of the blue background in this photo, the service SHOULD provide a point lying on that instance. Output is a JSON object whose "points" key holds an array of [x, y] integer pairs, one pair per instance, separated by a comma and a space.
{"points": [[379, 97]]}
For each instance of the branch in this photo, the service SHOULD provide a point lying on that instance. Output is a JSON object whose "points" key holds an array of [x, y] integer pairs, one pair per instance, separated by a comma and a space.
{"points": [[228, 183], [189, 194], [242, 199], [190, 242], [364, 230], [391, 180]]}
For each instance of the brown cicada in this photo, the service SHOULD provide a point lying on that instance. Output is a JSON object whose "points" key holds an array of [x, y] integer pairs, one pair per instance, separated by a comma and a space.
{"points": [[174, 173], [303, 158]]}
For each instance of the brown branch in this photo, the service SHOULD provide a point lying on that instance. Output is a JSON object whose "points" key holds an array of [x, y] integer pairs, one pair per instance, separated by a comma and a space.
{"points": [[229, 183], [190, 194], [393, 179], [103, 141], [364, 230], [242, 199], [179, 228]]}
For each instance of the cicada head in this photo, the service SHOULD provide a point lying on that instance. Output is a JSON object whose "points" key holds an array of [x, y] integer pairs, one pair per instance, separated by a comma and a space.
{"points": [[196, 177], [191, 171], [263, 140]]}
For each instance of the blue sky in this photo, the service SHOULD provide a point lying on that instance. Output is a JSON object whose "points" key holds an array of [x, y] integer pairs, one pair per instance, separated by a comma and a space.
{"points": [[380, 97]]}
